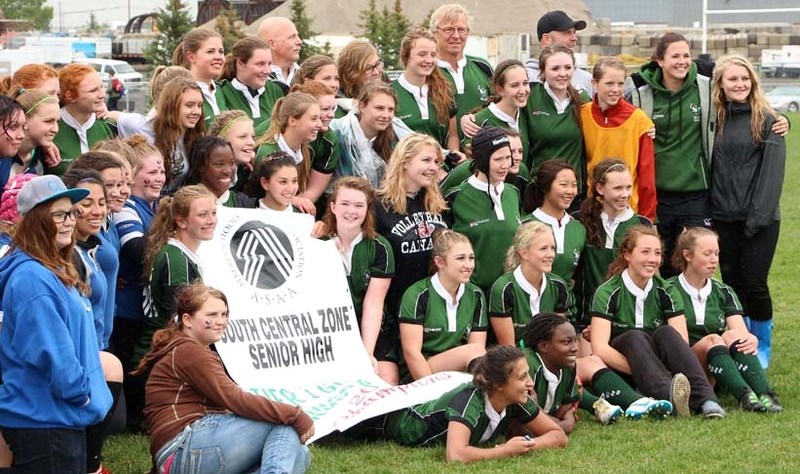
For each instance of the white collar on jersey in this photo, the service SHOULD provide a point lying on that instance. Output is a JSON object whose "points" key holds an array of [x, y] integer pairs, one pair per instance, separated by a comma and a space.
{"points": [[610, 225], [452, 309], [512, 122], [640, 294], [698, 297], [494, 418], [559, 226], [535, 295]]}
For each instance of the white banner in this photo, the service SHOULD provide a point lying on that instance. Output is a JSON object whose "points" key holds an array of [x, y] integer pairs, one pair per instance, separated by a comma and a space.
{"points": [[292, 334]]}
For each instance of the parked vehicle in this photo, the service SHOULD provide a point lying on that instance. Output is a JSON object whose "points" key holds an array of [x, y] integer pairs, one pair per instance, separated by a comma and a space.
{"points": [[123, 71], [784, 98]]}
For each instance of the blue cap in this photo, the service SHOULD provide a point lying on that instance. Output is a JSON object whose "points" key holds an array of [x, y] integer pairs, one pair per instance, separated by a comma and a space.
{"points": [[43, 189]]}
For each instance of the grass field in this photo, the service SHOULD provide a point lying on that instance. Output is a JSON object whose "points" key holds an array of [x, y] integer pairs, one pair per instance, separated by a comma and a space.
{"points": [[741, 442]]}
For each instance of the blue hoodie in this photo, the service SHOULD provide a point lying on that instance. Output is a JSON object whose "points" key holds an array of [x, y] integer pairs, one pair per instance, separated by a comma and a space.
{"points": [[52, 376]]}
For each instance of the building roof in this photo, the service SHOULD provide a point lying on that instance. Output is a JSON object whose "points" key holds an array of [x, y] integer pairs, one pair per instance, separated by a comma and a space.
{"points": [[488, 17]]}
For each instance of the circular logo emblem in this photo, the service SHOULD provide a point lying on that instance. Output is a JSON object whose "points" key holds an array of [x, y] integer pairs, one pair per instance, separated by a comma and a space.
{"points": [[263, 254]]}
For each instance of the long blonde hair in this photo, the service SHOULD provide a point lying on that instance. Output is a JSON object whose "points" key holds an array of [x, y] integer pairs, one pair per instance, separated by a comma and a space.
{"points": [[759, 106], [393, 191], [522, 240]]}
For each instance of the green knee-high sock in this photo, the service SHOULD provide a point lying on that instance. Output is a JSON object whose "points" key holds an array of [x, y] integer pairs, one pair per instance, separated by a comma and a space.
{"points": [[751, 371], [724, 370], [587, 400], [610, 386]]}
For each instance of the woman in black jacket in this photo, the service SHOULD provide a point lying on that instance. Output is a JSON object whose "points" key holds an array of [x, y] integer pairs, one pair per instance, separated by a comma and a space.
{"points": [[747, 175]]}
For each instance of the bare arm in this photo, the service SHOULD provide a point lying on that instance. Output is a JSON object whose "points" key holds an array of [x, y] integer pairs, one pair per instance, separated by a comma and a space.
{"points": [[504, 330], [411, 342], [459, 450], [372, 311], [679, 323], [565, 418], [317, 182], [601, 336]]}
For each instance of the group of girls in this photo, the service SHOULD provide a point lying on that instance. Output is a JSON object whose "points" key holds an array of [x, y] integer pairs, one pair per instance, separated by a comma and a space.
{"points": [[419, 245]]}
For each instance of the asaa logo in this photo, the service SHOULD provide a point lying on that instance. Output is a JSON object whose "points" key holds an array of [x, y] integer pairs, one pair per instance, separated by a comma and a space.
{"points": [[263, 254]]}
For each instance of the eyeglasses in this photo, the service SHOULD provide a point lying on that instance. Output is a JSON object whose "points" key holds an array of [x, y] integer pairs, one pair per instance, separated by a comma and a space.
{"points": [[60, 216], [374, 67], [450, 31]]}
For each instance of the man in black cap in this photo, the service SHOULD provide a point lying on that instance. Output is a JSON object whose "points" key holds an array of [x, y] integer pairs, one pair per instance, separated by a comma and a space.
{"points": [[557, 27]]}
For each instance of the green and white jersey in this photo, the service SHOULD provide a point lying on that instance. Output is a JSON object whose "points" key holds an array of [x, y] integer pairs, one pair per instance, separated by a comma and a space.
{"points": [[426, 424], [364, 260], [570, 237], [471, 83], [461, 173], [175, 265], [707, 309], [627, 306], [324, 152], [410, 103], [513, 296], [554, 133], [489, 221], [213, 102], [444, 325], [596, 260], [256, 103], [71, 143], [495, 117], [551, 391]]}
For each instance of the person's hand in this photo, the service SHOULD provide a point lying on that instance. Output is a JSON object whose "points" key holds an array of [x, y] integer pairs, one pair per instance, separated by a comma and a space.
{"points": [[52, 156], [102, 112], [304, 204], [319, 229], [781, 126], [520, 445], [461, 157], [468, 125], [587, 333], [651, 133], [308, 434], [747, 345]]}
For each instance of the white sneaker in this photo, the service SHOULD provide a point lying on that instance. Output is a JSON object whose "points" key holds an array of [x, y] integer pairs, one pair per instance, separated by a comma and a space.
{"points": [[605, 412]]}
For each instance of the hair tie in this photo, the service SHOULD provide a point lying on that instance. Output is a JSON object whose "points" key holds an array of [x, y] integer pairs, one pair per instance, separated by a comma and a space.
{"points": [[37, 104], [228, 125], [615, 165]]}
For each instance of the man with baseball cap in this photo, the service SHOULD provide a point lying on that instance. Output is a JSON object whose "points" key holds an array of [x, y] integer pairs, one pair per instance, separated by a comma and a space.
{"points": [[557, 27]]}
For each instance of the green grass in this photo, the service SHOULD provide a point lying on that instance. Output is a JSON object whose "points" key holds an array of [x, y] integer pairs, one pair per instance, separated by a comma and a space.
{"points": [[742, 442]]}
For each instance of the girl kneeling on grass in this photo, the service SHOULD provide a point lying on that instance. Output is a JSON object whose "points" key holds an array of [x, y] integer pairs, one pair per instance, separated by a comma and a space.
{"points": [[717, 331], [551, 348], [479, 412], [193, 407], [638, 328]]}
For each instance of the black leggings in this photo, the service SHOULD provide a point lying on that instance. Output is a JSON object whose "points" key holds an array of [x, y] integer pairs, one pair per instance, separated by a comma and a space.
{"points": [[745, 263], [655, 358]]}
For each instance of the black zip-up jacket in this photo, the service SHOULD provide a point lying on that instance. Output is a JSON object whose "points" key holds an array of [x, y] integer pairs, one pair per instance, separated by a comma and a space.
{"points": [[747, 177]]}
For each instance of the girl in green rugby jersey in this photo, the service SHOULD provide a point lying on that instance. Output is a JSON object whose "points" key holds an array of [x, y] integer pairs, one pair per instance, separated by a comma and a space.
{"points": [[236, 128], [469, 419], [717, 331], [638, 328], [212, 164], [369, 264], [443, 317], [320, 68], [202, 53]]}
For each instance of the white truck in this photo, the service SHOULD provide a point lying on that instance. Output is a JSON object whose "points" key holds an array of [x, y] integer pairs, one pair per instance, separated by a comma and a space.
{"points": [[784, 62], [61, 50]]}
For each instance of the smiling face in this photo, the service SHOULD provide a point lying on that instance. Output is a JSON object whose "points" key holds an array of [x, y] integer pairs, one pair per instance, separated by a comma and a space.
{"points": [[242, 137], [561, 351], [206, 63], [377, 114], [308, 125], [199, 225], [615, 192], [349, 209], [219, 170], [517, 152], [518, 385], [644, 259], [329, 76], [458, 263], [421, 169], [280, 188], [255, 72], [113, 183], [558, 72], [208, 324], [704, 258], [43, 124], [150, 178], [452, 36], [65, 228], [91, 97], [609, 87], [191, 108], [373, 71], [422, 58], [736, 83], [13, 134], [92, 211], [538, 256], [327, 111], [516, 89], [676, 61], [562, 190]]}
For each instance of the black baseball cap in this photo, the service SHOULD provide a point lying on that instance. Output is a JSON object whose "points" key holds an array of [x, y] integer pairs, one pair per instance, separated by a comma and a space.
{"points": [[557, 21]]}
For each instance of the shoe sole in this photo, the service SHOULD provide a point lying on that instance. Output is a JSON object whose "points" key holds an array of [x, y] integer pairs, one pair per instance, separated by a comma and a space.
{"points": [[614, 417], [659, 411], [680, 391]]}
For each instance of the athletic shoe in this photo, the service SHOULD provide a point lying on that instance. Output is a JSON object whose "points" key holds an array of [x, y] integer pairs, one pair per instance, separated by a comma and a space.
{"points": [[770, 402], [749, 401], [711, 409], [605, 412], [650, 408], [679, 391]]}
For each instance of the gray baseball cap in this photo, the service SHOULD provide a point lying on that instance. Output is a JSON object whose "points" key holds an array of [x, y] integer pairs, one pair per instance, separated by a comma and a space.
{"points": [[43, 189]]}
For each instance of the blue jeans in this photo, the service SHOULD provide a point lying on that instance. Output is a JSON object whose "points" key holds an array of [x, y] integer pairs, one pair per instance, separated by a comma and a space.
{"points": [[221, 443], [46, 450]]}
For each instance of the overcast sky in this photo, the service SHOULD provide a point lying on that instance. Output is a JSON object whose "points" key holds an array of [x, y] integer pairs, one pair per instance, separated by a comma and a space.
{"points": [[73, 13]]}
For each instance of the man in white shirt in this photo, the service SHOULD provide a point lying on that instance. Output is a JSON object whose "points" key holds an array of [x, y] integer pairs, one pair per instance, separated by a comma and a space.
{"points": [[284, 41]]}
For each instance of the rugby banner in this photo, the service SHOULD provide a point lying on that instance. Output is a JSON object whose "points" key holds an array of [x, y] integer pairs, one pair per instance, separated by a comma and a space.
{"points": [[292, 334]]}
